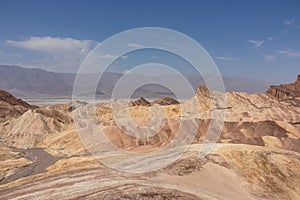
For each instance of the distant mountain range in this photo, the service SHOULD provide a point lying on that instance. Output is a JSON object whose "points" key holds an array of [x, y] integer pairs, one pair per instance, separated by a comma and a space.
{"points": [[25, 82]]}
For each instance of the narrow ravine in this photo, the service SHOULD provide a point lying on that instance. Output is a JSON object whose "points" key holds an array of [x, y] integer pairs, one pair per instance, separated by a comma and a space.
{"points": [[40, 161]]}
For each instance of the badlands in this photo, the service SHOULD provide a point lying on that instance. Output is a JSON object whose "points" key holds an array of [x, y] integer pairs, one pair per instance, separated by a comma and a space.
{"points": [[45, 152]]}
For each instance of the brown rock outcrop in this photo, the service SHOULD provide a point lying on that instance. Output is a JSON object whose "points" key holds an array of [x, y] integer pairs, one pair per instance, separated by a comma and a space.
{"points": [[165, 101], [285, 91], [140, 102], [10, 99], [298, 80], [10, 106], [203, 90]]}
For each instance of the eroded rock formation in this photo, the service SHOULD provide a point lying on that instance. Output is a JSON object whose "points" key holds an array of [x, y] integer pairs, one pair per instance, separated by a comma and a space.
{"points": [[285, 91], [10, 106], [256, 157], [165, 101]]}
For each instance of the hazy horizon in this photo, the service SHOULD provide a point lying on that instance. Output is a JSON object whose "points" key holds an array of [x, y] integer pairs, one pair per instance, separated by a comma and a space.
{"points": [[263, 46]]}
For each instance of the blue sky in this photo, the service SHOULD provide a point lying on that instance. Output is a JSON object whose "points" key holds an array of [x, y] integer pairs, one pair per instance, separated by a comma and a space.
{"points": [[256, 39]]}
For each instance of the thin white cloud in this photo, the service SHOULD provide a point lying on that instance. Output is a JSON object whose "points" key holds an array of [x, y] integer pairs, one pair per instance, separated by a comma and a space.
{"points": [[256, 43], [58, 53], [269, 58], [124, 57], [134, 45], [226, 58], [292, 22], [108, 56], [155, 57], [54, 45], [270, 38], [166, 43], [126, 71], [289, 22], [289, 52]]}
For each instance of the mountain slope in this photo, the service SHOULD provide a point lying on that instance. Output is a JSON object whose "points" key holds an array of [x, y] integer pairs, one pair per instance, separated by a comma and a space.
{"points": [[25, 82], [10, 106]]}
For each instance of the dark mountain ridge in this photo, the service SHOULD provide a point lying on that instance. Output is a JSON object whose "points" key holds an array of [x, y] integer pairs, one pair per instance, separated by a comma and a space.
{"points": [[26, 82]]}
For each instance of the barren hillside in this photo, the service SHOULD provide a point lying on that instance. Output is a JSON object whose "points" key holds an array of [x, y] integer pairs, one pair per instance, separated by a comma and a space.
{"points": [[257, 156]]}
